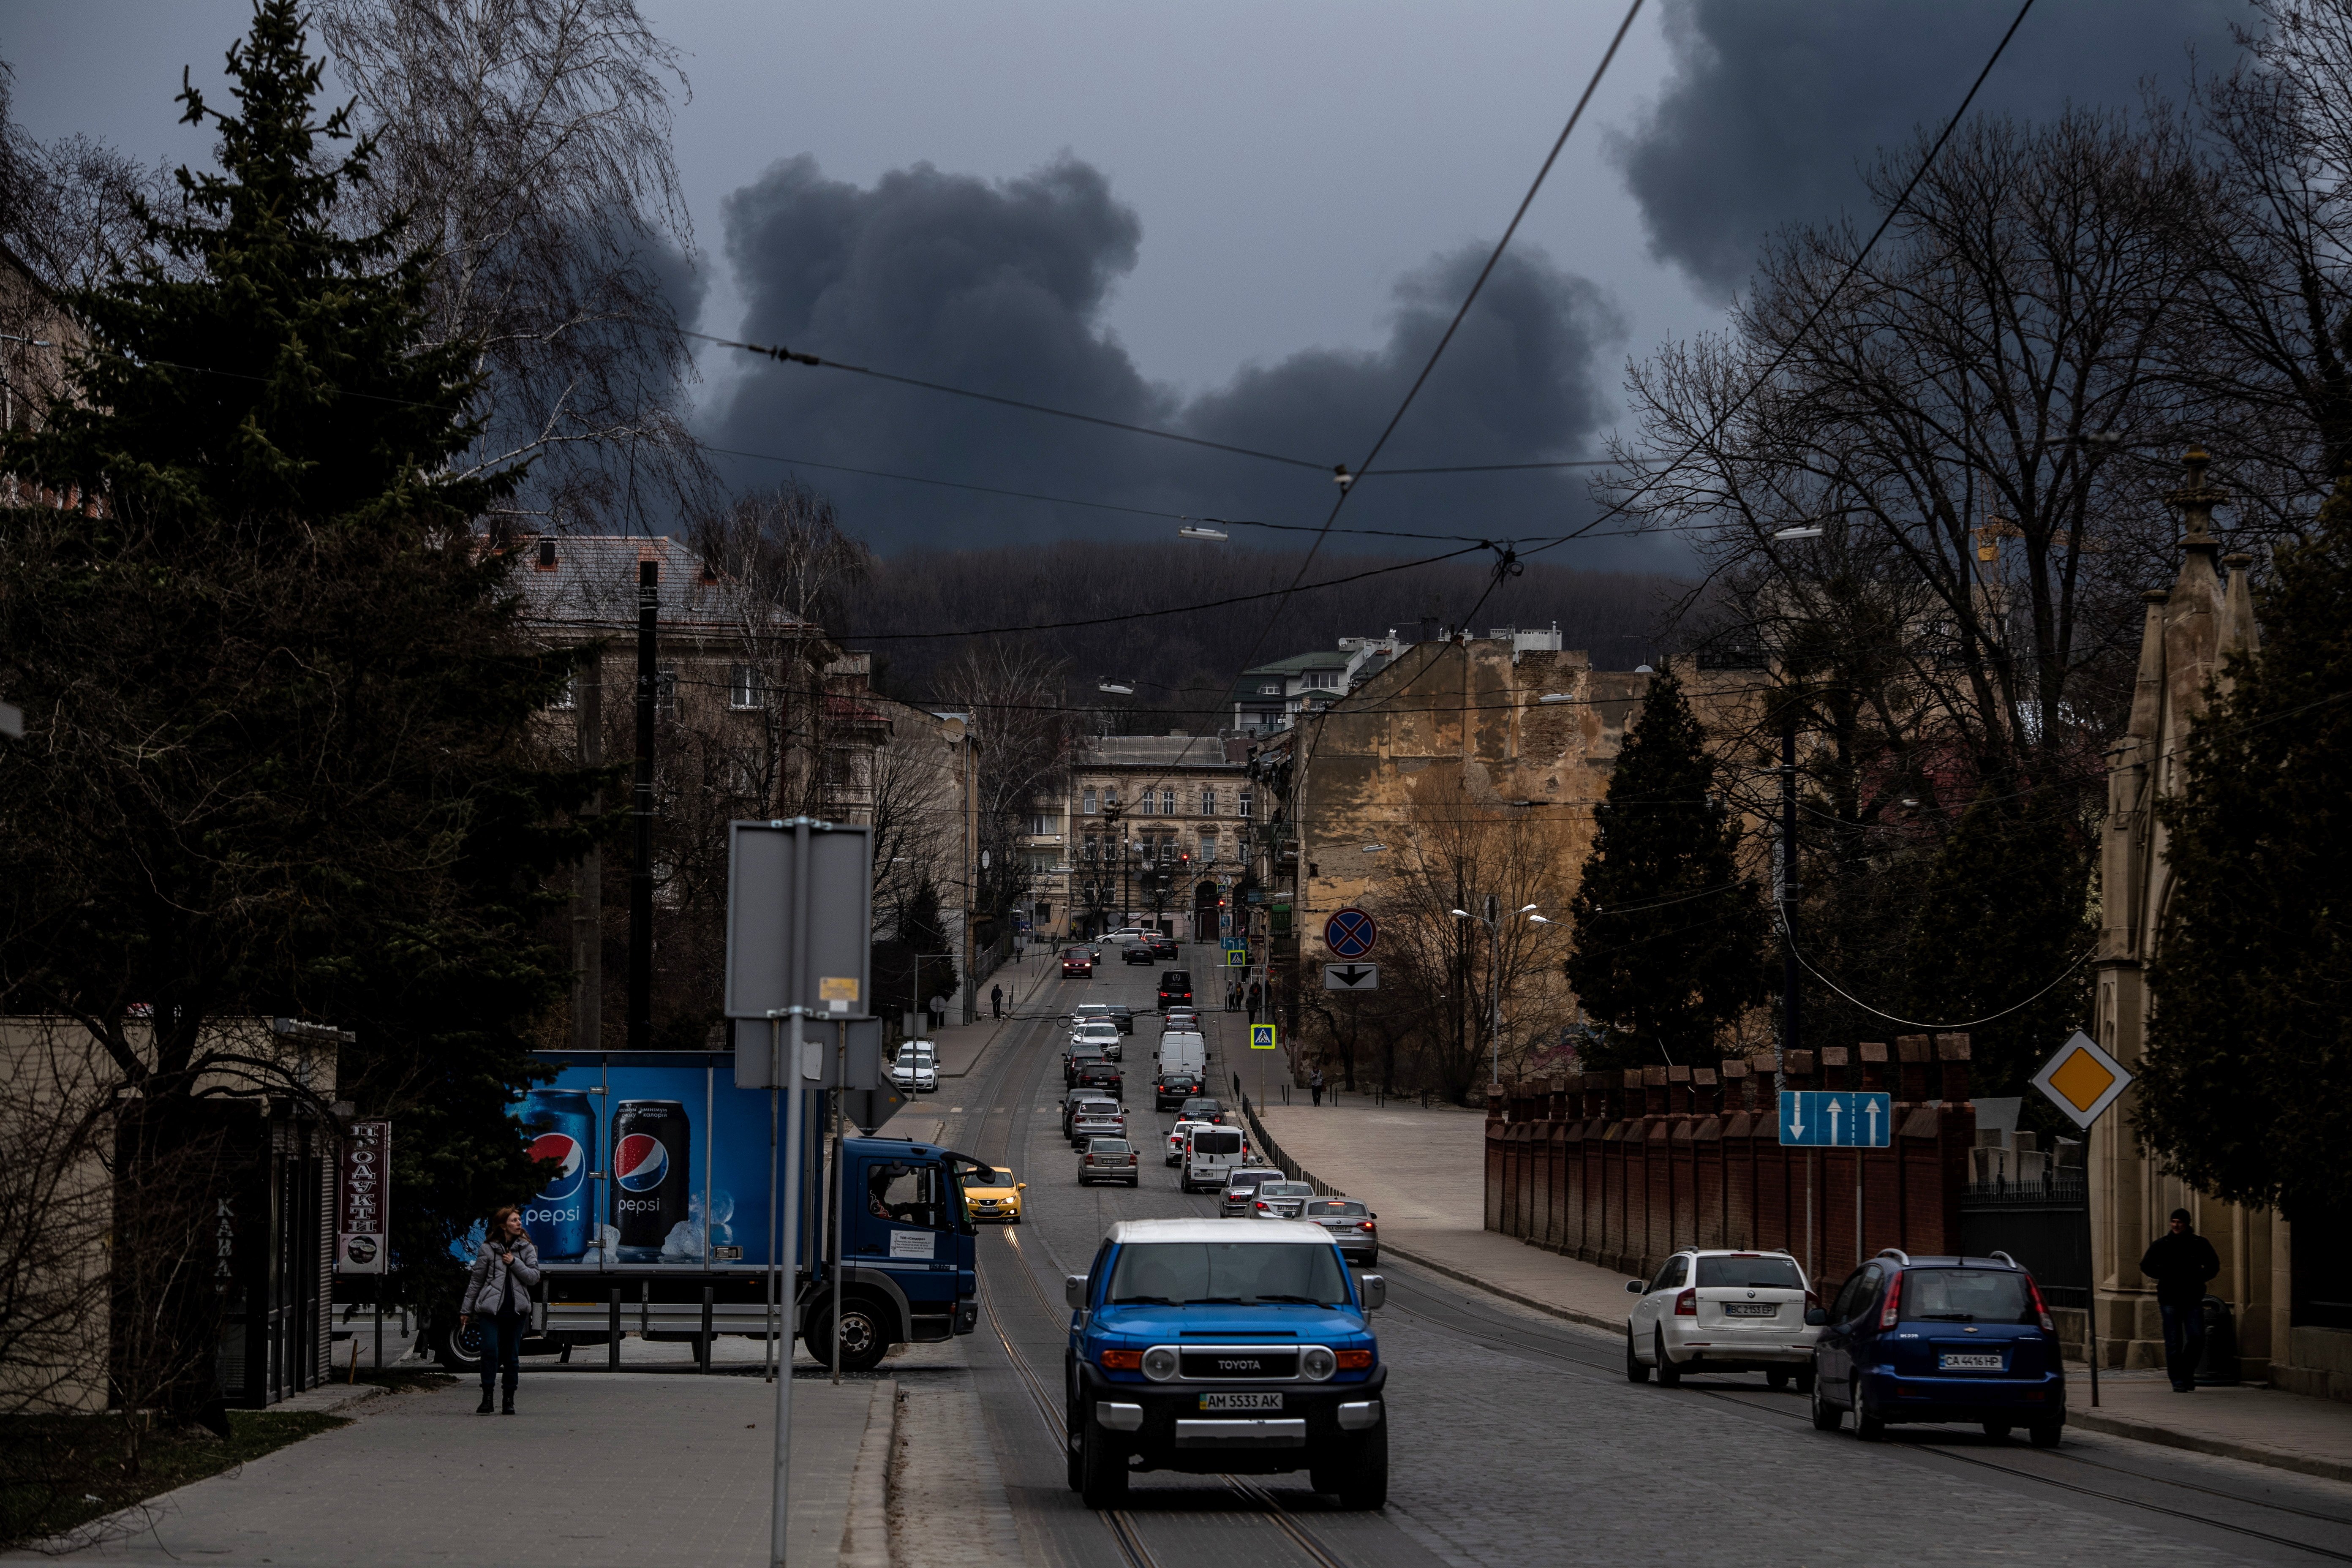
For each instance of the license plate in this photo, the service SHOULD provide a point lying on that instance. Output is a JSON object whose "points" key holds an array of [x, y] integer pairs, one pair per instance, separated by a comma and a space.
{"points": [[1969, 1361], [1751, 1309], [1241, 1402]]}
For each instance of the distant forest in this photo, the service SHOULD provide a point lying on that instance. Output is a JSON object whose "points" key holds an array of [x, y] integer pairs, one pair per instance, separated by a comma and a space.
{"points": [[1184, 665]]}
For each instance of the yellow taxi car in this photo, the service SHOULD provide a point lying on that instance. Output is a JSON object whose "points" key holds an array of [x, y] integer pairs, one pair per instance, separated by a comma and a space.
{"points": [[993, 1194]]}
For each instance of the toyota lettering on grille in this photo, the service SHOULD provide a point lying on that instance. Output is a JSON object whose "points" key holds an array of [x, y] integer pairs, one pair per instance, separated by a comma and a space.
{"points": [[1224, 1364]]}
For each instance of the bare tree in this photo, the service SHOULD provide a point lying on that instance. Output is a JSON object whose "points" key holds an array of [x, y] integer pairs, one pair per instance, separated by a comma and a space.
{"points": [[527, 143], [1023, 734]]}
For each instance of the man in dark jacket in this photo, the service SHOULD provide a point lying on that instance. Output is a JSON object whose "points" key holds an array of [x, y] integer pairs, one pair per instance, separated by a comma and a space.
{"points": [[2180, 1263]]}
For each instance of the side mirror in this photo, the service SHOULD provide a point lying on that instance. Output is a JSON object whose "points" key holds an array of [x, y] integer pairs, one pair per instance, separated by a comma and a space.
{"points": [[1375, 1291], [1815, 1317], [1021, 1186], [1634, 1287], [1074, 1290]]}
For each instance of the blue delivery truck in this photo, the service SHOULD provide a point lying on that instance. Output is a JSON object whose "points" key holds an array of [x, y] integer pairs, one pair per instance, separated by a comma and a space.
{"points": [[660, 1218]]}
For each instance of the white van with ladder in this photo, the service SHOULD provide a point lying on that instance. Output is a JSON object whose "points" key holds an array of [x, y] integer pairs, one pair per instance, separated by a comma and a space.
{"points": [[1209, 1152]]}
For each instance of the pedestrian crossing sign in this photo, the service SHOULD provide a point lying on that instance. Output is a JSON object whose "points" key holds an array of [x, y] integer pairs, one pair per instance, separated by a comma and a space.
{"points": [[1261, 1036]]}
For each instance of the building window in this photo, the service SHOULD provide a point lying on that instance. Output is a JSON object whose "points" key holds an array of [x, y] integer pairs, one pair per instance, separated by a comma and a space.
{"points": [[666, 693], [1321, 679], [1041, 824], [1208, 847], [742, 686], [1209, 801], [1143, 803], [1168, 851], [1110, 797], [1244, 812], [1093, 846], [569, 696], [1087, 803], [1167, 803]]}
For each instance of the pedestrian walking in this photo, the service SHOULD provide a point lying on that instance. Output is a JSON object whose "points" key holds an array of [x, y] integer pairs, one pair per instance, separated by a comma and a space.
{"points": [[2180, 1262], [1233, 996], [996, 1001], [1315, 1085], [497, 1291], [1256, 999]]}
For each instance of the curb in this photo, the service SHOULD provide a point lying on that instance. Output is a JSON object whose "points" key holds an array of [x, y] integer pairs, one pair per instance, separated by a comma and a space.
{"points": [[2172, 1437], [327, 1399], [1570, 1314], [865, 1531]]}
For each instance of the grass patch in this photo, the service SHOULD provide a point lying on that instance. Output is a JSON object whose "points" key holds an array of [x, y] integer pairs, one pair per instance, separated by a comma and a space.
{"points": [[59, 1472]]}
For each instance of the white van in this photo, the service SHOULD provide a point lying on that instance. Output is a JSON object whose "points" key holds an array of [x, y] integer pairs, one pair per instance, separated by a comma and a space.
{"points": [[1209, 1152], [1184, 1052]]}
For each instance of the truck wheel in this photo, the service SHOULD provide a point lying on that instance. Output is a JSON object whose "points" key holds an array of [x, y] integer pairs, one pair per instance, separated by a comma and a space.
{"points": [[1102, 1475], [457, 1349], [1364, 1486], [865, 1336]]}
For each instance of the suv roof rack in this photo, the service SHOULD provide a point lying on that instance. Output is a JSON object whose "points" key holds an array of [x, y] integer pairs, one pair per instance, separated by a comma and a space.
{"points": [[2005, 1257], [1897, 1253]]}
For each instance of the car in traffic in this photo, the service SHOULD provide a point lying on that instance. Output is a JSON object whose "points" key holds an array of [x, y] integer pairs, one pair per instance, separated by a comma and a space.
{"points": [[1163, 946], [1170, 1090], [1354, 1227], [992, 1192], [1073, 1097], [1181, 1018], [1080, 1055], [1938, 1340], [1176, 1138], [1100, 1033], [1098, 1118], [1104, 1012], [1214, 1347], [1124, 1017], [1281, 1199], [1239, 1190], [1100, 1074], [1108, 1160], [1175, 986], [1077, 962], [1204, 1108], [915, 1070], [1711, 1309], [1209, 1153], [1138, 952], [1183, 1051]]}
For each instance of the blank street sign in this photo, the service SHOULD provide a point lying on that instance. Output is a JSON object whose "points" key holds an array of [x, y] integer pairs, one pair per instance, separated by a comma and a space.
{"points": [[2081, 1080]]}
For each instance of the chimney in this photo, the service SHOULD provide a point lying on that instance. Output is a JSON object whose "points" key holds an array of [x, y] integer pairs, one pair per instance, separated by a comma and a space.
{"points": [[1739, 1080], [1653, 1091], [1796, 1067], [1912, 1050], [1873, 1066], [1952, 1050]]}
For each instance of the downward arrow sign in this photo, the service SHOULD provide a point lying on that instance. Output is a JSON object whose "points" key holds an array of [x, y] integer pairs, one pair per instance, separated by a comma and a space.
{"points": [[1351, 975], [1797, 1116]]}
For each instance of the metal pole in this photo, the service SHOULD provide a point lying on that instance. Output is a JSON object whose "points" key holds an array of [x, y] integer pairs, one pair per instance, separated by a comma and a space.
{"points": [[1788, 887], [840, 1074], [789, 1068], [702, 1351], [612, 1333], [775, 1213], [641, 809], [2090, 1296], [1495, 1014]]}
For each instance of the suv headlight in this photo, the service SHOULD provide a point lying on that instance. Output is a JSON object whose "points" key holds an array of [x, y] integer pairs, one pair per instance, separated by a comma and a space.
{"points": [[1318, 1363], [1159, 1363]]}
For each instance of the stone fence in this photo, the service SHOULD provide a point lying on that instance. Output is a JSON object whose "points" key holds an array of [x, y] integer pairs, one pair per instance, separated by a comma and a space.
{"points": [[1621, 1168]]}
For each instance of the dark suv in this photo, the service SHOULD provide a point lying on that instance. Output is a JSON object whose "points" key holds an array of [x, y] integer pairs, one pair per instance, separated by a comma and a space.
{"points": [[1940, 1338], [1175, 989]]}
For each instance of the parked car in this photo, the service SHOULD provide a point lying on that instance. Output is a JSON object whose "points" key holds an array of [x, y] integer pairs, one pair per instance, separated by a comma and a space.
{"points": [[1175, 986], [1354, 1227], [1715, 1311], [1281, 1199], [1108, 1160], [1124, 1018], [1240, 1190], [993, 1193], [1098, 1118], [915, 1070], [1176, 1137], [1171, 1090], [1138, 952], [1077, 962], [1938, 1339], [1203, 1108]]}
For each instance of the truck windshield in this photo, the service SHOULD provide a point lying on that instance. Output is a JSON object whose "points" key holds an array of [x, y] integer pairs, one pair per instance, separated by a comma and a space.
{"points": [[1752, 1273], [1175, 1274]]}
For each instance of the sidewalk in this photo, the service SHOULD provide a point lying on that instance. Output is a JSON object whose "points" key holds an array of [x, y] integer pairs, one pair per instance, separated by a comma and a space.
{"points": [[1424, 1172], [961, 1046], [641, 1470]]}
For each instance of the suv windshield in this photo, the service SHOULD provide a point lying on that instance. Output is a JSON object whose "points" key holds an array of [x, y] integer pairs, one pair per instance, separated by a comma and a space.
{"points": [[1243, 1181], [1753, 1273], [1172, 1274], [1967, 1296]]}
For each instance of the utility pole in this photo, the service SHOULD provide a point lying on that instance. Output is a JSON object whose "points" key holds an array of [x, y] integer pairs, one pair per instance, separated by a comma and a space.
{"points": [[641, 876], [588, 880], [1788, 887]]}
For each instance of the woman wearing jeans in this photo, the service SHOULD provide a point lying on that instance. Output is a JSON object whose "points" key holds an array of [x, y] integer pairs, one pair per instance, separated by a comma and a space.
{"points": [[497, 1291]]}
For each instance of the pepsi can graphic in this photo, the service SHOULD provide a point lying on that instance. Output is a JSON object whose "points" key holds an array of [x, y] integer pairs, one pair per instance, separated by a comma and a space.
{"points": [[653, 1149], [562, 1128]]}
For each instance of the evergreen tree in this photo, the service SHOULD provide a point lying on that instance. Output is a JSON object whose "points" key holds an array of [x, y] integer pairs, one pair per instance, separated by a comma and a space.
{"points": [[1668, 931], [2249, 1056], [278, 755], [2001, 917]]}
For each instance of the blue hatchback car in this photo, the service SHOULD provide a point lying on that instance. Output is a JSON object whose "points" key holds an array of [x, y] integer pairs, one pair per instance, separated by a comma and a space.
{"points": [[1940, 1338]]}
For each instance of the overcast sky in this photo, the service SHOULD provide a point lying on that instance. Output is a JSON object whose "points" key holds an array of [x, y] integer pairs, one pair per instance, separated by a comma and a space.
{"points": [[1247, 220]]}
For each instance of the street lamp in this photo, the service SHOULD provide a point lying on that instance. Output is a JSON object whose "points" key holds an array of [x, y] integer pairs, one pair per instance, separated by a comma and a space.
{"points": [[1194, 531], [1115, 687], [1494, 924]]}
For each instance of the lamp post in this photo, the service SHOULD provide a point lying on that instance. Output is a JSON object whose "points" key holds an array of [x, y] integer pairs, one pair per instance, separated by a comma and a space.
{"points": [[1493, 920]]}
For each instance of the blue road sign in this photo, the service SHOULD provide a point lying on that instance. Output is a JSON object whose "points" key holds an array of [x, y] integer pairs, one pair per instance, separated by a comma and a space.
{"points": [[1821, 1119], [1350, 933], [1261, 1036]]}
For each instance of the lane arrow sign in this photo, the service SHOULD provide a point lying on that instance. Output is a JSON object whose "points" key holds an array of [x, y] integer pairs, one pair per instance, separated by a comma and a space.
{"points": [[1833, 1119], [1797, 1115], [1351, 977], [1870, 1109]]}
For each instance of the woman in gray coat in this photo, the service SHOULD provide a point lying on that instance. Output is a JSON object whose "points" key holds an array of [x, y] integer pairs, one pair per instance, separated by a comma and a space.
{"points": [[497, 1291]]}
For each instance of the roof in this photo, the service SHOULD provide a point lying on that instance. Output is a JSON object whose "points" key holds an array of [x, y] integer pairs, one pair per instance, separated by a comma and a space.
{"points": [[1295, 663], [591, 586], [1219, 1231], [1152, 752]]}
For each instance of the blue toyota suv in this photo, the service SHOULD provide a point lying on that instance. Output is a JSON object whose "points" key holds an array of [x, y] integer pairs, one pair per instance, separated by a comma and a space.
{"points": [[1940, 1338], [1216, 1346]]}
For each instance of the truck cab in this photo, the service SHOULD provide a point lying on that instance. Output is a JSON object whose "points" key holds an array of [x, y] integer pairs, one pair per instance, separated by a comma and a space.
{"points": [[1215, 1347], [908, 1253]]}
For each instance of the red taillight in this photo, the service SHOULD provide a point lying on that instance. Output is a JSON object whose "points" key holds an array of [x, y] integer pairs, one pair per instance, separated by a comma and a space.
{"points": [[1261, 1203], [2041, 1311], [1686, 1304], [1891, 1313], [1365, 1225], [1811, 1300]]}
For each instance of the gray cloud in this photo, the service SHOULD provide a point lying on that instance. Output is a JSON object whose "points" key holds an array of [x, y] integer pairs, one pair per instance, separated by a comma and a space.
{"points": [[1775, 104], [1002, 286]]}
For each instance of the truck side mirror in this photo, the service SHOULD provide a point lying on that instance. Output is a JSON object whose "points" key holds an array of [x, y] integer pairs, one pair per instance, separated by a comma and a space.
{"points": [[1074, 1292], [1375, 1291]]}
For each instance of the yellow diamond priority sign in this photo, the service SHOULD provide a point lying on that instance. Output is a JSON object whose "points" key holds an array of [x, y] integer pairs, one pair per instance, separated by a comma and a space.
{"points": [[2081, 1080]]}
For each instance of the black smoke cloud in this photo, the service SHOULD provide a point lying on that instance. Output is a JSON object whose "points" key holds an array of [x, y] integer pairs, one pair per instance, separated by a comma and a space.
{"points": [[1775, 105], [1002, 286]]}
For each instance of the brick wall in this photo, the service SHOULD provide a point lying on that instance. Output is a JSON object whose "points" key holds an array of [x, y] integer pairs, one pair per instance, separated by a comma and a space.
{"points": [[1620, 1169]]}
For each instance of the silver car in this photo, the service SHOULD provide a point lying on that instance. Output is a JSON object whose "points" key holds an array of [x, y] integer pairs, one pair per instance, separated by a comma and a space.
{"points": [[1100, 1119], [1108, 1160], [1281, 1200], [1353, 1226], [1241, 1188]]}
